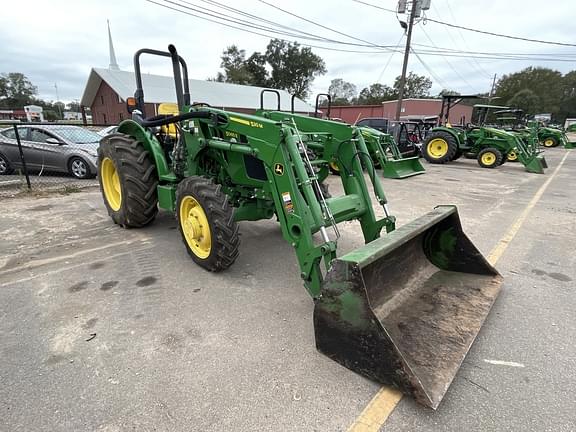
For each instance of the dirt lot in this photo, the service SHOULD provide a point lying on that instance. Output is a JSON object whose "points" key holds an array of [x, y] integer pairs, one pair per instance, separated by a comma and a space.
{"points": [[108, 329]]}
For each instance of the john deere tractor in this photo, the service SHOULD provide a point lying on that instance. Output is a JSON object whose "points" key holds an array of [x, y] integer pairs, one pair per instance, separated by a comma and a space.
{"points": [[513, 120], [489, 145], [403, 309], [381, 147]]}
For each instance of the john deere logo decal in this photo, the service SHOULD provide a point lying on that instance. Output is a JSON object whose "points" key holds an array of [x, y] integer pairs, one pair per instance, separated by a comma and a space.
{"points": [[279, 169]]}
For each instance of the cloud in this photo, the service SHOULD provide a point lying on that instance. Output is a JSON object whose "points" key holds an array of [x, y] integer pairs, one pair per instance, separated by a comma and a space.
{"points": [[63, 39]]}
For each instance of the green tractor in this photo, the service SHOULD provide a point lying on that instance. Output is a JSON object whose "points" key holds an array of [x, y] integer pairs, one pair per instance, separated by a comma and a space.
{"points": [[512, 119], [550, 136], [403, 309], [381, 147], [488, 145]]}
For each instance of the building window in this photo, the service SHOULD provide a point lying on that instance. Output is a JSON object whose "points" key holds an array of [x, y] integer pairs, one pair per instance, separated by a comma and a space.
{"points": [[102, 99], [104, 118], [120, 116], [119, 99], [403, 109]]}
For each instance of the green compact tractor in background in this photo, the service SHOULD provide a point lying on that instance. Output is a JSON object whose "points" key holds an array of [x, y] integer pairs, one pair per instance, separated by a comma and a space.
{"points": [[403, 309], [551, 137], [490, 146], [513, 120]]}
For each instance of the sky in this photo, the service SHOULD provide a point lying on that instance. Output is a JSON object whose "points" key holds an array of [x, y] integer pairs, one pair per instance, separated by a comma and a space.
{"points": [[57, 42]]}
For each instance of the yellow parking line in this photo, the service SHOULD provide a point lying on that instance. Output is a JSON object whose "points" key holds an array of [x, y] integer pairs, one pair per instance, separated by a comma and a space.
{"points": [[501, 246], [373, 417]]}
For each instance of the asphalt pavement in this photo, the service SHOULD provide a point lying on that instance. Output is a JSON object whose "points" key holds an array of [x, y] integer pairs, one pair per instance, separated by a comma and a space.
{"points": [[106, 329]]}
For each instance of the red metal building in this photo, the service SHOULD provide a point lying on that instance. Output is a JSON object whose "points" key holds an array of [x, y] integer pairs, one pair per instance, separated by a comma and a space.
{"points": [[410, 107]]}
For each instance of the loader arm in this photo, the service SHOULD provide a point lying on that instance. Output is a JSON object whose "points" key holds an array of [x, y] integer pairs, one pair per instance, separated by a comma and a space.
{"points": [[289, 182]]}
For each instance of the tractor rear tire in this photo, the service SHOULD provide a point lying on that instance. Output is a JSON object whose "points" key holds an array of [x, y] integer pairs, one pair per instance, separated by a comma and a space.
{"points": [[206, 223], [458, 155], [128, 181], [550, 142], [440, 147], [490, 157]]}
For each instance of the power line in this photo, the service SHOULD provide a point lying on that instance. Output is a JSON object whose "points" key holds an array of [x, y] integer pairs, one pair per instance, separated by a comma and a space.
{"points": [[432, 74], [256, 32], [317, 24], [476, 30], [389, 59], [449, 64], [233, 22], [480, 68], [501, 35]]}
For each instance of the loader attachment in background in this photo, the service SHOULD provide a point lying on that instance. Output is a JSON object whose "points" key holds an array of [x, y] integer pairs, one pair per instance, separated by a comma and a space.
{"points": [[384, 152], [402, 168], [404, 309], [535, 164]]}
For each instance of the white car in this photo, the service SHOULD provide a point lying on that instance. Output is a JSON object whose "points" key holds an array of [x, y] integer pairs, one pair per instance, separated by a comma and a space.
{"points": [[107, 131]]}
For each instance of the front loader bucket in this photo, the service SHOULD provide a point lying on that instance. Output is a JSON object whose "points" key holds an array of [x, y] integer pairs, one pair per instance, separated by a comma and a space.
{"points": [[402, 168], [536, 164], [404, 309]]}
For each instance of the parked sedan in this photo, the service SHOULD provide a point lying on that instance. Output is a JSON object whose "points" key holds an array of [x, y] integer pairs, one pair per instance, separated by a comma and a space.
{"points": [[57, 148], [107, 131]]}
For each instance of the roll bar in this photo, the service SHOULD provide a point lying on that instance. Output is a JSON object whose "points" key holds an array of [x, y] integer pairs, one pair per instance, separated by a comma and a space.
{"points": [[276, 92], [180, 71], [327, 96]]}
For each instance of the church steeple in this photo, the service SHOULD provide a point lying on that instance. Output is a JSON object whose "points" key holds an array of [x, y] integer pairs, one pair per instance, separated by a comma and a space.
{"points": [[113, 63]]}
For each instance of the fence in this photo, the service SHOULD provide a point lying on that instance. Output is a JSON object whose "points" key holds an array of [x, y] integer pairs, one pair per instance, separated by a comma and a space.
{"points": [[48, 157]]}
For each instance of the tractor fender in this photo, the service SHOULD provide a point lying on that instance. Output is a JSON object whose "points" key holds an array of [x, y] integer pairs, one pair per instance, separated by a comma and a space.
{"points": [[150, 143], [449, 130]]}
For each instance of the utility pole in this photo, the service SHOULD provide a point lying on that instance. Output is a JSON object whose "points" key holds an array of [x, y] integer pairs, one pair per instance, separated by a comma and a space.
{"points": [[492, 89], [58, 100], [417, 6]]}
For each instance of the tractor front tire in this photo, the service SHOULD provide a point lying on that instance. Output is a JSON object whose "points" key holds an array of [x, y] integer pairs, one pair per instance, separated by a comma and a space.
{"points": [[440, 147], [334, 168], [512, 156], [490, 158], [550, 142], [128, 181], [206, 223]]}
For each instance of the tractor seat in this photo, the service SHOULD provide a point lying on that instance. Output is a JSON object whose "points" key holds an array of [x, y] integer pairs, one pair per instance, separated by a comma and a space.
{"points": [[166, 109]]}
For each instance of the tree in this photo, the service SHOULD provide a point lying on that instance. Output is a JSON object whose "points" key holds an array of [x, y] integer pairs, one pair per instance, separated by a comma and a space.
{"points": [[73, 106], [568, 102], [284, 65], [448, 92], [546, 84], [293, 68], [16, 90], [415, 86], [376, 94], [234, 65], [526, 100], [3, 87], [341, 92]]}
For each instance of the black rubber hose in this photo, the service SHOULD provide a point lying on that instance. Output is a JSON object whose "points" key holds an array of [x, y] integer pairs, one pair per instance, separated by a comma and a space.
{"points": [[168, 119]]}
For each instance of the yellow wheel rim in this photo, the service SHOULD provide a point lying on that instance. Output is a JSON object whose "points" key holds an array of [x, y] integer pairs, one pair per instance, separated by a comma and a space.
{"points": [[111, 184], [437, 148], [334, 166], [195, 227], [488, 158], [549, 142], [512, 156]]}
